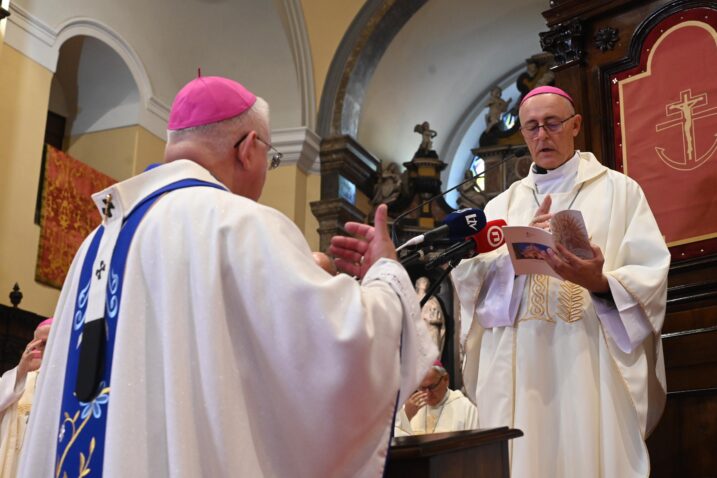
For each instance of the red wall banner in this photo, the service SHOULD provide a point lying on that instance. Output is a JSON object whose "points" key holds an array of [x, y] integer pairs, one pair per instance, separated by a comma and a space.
{"points": [[68, 213], [666, 126]]}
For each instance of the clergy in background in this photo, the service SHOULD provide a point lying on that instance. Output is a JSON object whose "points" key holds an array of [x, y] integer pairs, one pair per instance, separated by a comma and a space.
{"points": [[196, 336], [435, 408], [576, 364], [17, 391]]}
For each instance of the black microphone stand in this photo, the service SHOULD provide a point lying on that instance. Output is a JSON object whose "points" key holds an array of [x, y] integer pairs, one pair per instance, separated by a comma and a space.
{"points": [[437, 283]]}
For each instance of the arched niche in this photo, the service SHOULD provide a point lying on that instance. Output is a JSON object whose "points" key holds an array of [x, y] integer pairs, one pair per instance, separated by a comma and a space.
{"points": [[95, 91]]}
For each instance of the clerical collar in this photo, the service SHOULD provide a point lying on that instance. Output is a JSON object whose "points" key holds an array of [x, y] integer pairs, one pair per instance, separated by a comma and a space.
{"points": [[558, 180]]}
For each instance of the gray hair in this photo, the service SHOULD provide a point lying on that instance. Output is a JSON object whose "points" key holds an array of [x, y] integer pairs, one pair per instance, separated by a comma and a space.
{"points": [[441, 370], [219, 135]]}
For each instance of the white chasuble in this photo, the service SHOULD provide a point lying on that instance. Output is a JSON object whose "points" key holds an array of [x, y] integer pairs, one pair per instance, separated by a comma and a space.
{"points": [[581, 376], [235, 354], [454, 413], [15, 406]]}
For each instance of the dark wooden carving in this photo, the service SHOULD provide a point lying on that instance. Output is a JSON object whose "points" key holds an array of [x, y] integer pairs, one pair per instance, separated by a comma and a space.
{"points": [[565, 42], [606, 38], [15, 295], [343, 162]]}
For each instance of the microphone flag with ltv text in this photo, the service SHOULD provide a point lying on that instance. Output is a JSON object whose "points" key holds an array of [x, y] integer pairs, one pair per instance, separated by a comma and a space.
{"points": [[456, 226]]}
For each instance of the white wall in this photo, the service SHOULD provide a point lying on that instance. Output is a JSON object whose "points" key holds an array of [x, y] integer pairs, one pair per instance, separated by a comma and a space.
{"points": [[241, 39], [447, 55]]}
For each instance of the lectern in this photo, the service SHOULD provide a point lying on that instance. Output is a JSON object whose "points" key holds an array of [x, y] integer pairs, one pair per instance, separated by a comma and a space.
{"points": [[470, 453]]}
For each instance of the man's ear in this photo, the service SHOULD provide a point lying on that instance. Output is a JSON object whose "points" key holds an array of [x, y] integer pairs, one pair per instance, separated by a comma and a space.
{"points": [[577, 124], [243, 153]]}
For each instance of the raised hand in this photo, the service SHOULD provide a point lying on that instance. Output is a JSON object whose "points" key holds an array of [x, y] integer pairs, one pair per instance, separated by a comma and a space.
{"points": [[414, 403], [31, 358], [542, 215], [355, 255]]}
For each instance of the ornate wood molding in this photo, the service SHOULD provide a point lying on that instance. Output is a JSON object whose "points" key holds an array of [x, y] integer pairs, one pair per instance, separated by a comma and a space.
{"points": [[565, 42], [563, 10], [15, 295], [606, 38]]}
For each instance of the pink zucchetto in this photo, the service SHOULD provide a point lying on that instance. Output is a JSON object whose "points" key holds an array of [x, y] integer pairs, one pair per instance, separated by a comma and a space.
{"points": [[209, 99], [44, 322], [542, 90]]}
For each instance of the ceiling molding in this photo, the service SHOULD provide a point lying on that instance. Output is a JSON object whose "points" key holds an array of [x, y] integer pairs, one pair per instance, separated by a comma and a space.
{"points": [[293, 18], [41, 43], [300, 146]]}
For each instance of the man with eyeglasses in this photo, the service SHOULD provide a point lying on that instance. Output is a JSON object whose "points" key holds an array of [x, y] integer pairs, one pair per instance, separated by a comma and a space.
{"points": [[434, 408], [576, 364], [197, 336]]}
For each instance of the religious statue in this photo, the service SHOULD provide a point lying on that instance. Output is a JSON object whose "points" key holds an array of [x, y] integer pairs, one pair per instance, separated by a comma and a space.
{"points": [[427, 135], [537, 73], [432, 313], [496, 107], [388, 187]]}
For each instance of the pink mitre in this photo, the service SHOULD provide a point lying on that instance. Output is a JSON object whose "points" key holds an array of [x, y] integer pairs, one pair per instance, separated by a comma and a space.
{"points": [[44, 323], [542, 90], [209, 99]]}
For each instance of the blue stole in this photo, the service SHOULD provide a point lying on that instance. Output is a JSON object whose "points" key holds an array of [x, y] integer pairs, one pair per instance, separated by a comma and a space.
{"points": [[81, 439]]}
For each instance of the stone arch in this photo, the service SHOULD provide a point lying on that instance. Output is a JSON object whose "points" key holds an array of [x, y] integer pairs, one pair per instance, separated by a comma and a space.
{"points": [[356, 58], [153, 114]]}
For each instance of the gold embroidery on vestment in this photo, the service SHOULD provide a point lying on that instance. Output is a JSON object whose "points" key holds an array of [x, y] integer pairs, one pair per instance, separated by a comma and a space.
{"points": [[538, 299], [570, 302]]}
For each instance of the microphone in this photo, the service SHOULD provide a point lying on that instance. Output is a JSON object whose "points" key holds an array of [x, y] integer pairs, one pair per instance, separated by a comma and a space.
{"points": [[457, 225], [488, 239]]}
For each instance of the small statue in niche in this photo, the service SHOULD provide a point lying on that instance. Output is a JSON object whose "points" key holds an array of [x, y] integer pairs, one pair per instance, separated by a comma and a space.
{"points": [[535, 75], [388, 187], [432, 313], [427, 135], [496, 107]]}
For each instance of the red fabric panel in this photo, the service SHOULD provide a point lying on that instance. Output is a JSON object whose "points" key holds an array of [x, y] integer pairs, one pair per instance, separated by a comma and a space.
{"points": [[666, 128], [68, 213]]}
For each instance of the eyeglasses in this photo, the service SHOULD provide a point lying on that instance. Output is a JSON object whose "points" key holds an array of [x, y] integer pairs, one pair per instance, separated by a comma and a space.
{"points": [[431, 388], [552, 126], [275, 158]]}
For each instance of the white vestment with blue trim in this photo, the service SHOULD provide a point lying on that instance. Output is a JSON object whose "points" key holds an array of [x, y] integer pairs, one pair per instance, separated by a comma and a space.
{"points": [[235, 355]]}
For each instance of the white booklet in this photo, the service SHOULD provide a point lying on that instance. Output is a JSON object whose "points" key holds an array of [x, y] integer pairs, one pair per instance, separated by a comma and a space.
{"points": [[525, 243]]}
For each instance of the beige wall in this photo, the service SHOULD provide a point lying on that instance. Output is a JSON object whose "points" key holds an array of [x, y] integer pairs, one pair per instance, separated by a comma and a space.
{"points": [[24, 93], [119, 152], [290, 190], [325, 35], [148, 149]]}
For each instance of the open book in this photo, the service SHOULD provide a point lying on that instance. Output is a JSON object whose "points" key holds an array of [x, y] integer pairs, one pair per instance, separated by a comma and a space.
{"points": [[525, 243]]}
